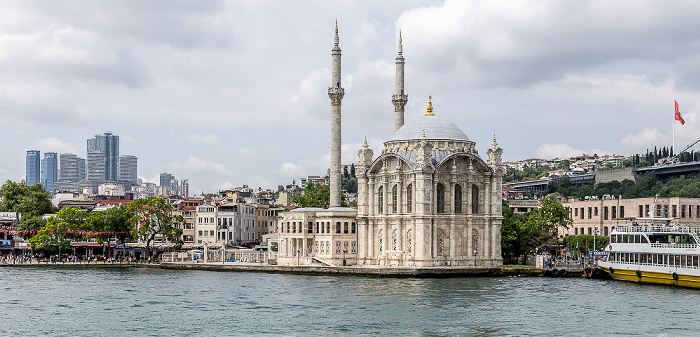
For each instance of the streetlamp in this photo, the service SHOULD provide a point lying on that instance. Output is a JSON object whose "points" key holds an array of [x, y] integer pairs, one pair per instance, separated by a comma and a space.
{"points": [[298, 255], [344, 252], [475, 253]]}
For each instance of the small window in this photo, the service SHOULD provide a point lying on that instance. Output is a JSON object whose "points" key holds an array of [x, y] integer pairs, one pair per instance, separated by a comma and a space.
{"points": [[337, 227], [458, 199], [345, 228], [409, 199]]}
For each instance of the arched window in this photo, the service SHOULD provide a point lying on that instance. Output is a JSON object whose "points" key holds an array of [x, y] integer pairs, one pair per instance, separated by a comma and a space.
{"points": [[440, 198], [475, 199], [409, 199], [381, 199], [394, 199], [458, 198]]}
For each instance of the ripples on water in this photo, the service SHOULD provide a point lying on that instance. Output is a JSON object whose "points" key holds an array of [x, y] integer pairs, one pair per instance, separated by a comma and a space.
{"points": [[154, 302]]}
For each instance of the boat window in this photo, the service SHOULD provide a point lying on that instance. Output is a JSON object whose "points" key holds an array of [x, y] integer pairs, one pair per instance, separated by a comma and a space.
{"points": [[644, 239], [658, 238], [613, 238], [678, 260], [636, 238], [623, 257], [645, 258], [625, 238]]}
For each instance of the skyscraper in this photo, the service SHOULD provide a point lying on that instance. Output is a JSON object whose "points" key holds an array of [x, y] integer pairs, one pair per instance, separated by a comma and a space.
{"points": [[33, 167], [108, 145], [49, 170], [166, 179], [128, 168], [72, 168], [95, 166]]}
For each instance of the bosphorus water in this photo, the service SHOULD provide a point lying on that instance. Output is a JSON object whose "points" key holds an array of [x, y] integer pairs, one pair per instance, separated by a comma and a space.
{"points": [[155, 302]]}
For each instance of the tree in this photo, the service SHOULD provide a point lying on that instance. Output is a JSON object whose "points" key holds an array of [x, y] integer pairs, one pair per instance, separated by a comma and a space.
{"points": [[551, 215], [314, 195], [55, 235], [346, 174], [117, 220], [154, 216], [26, 200], [352, 170]]}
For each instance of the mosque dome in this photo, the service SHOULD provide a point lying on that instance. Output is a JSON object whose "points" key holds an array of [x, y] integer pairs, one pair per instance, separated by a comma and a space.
{"points": [[433, 126]]}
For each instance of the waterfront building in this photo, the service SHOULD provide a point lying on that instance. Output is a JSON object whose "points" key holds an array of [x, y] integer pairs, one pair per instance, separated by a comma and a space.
{"points": [[427, 200], [128, 167], [108, 145], [205, 224], [33, 167], [187, 207], [72, 168], [604, 214], [49, 170]]}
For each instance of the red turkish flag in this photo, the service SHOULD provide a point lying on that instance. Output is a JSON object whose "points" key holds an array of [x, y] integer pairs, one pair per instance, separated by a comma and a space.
{"points": [[678, 114]]}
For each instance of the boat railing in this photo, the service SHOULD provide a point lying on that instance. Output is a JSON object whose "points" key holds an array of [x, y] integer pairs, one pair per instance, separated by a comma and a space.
{"points": [[674, 245], [656, 229]]}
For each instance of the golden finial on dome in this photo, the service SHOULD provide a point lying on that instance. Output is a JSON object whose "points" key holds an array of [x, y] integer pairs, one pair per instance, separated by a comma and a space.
{"points": [[430, 106], [423, 133]]}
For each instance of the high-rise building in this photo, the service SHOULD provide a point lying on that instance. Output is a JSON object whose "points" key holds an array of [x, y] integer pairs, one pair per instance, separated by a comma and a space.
{"points": [[95, 166], [185, 188], [33, 167], [49, 170], [108, 144], [166, 179], [128, 168], [72, 168]]}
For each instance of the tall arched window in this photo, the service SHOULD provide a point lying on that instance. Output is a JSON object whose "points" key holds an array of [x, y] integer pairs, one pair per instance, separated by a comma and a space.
{"points": [[440, 198], [381, 200], [409, 199], [458, 198], [394, 199], [475, 199]]}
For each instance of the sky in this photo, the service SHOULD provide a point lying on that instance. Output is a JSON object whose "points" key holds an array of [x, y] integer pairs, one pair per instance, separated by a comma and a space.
{"points": [[227, 93]]}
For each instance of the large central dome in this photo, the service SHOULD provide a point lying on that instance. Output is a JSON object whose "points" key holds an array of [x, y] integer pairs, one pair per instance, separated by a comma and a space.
{"points": [[434, 127]]}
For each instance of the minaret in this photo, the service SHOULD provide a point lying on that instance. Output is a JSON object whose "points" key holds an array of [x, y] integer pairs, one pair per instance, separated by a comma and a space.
{"points": [[335, 93], [399, 99]]}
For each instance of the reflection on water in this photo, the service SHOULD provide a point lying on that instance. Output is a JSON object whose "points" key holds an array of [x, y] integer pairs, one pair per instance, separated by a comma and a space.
{"points": [[154, 302]]}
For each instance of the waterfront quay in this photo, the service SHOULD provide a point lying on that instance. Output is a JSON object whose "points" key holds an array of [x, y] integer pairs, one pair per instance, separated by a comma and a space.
{"points": [[432, 272]]}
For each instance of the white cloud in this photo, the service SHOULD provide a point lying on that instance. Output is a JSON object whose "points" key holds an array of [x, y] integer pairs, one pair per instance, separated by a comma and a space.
{"points": [[194, 166], [51, 144], [644, 139], [201, 139]]}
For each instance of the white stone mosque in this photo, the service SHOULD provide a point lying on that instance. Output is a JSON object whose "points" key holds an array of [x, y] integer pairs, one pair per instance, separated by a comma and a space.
{"points": [[428, 200]]}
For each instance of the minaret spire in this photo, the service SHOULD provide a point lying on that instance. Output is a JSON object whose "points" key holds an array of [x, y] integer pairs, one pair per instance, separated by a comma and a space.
{"points": [[335, 93], [399, 98]]}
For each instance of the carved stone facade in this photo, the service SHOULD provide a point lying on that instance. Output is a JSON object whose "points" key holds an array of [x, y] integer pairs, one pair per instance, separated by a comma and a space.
{"points": [[430, 200]]}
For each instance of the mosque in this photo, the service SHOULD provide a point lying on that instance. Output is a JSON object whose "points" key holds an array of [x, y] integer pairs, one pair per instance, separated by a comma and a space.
{"points": [[428, 200]]}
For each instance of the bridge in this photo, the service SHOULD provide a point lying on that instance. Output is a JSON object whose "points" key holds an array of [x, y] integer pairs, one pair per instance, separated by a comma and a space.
{"points": [[666, 172]]}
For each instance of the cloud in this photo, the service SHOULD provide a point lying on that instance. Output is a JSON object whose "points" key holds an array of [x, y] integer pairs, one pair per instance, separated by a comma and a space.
{"points": [[194, 166], [644, 139], [53, 145], [551, 151], [201, 139]]}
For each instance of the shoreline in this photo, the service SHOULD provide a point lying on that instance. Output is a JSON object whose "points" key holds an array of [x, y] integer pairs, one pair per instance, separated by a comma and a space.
{"points": [[407, 272]]}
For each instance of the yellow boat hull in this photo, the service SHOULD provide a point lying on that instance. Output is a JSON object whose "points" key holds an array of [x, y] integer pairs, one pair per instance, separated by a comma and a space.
{"points": [[680, 280]]}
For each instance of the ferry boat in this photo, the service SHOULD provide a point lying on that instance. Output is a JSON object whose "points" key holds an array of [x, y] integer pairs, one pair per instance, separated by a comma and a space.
{"points": [[652, 250]]}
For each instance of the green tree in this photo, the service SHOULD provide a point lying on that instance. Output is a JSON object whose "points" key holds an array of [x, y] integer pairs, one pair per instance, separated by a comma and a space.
{"points": [[52, 239], [350, 185], [118, 220], [26, 200], [352, 170], [516, 239], [58, 230], [551, 215], [314, 195], [154, 216]]}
